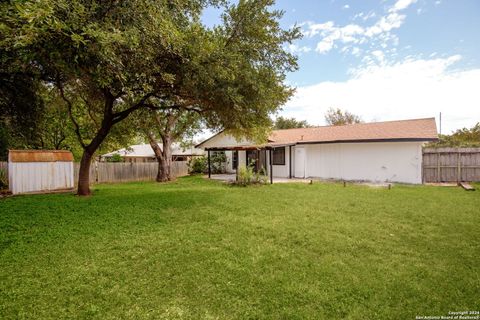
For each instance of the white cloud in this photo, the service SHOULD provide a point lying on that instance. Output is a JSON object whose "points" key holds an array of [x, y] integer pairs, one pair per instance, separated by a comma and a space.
{"points": [[340, 36], [346, 6], [324, 46], [316, 28], [413, 88], [295, 49], [364, 16], [401, 5]]}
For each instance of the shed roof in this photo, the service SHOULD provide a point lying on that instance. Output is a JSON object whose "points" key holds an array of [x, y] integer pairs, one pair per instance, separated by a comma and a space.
{"points": [[39, 155]]}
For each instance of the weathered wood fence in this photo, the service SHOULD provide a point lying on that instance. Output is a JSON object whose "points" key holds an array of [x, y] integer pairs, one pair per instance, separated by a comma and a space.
{"points": [[451, 164], [109, 172]]}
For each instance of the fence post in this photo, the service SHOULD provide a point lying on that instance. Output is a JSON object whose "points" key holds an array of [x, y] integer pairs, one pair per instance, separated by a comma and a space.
{"points": [[438, 166], [459, 166]]}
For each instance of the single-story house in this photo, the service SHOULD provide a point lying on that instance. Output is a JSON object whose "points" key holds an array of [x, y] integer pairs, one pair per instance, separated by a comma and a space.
{"points": [[389, 151], [144, 153]]}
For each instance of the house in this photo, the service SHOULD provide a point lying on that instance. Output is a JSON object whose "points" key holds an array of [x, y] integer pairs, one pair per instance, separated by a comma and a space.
{"points": [[378, 151], [144, 153]]}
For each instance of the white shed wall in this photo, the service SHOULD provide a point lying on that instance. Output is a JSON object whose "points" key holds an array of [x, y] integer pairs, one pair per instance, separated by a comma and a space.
{"points": [[376, 161], [27, 177]]}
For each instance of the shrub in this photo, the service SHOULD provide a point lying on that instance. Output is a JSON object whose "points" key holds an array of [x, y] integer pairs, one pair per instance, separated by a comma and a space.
{"points": [[115, 158], [246, 176], [261, 176], [218, 162], [3, 179], [198, 165]]}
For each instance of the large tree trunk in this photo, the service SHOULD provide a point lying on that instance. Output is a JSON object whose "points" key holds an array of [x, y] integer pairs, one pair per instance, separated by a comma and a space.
{"points": [[164, 157], [84, 175], [88, 152], [165, 163], [163, 174]]}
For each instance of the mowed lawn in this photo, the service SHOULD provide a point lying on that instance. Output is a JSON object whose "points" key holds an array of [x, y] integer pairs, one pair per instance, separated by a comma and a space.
{"points": [[199, 249]]}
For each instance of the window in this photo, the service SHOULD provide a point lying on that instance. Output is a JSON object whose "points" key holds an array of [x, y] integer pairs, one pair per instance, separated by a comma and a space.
{"points": [[278, 156], [234, 159]]}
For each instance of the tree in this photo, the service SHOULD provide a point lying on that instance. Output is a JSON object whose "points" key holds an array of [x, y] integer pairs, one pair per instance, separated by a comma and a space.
{"points": [[168, 127], [337, 117], [290, 123], [20, 110], [110, 59], [466, 137]]}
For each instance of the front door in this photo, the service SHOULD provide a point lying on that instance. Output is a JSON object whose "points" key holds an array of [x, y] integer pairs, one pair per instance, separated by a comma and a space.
{"points": [[299, 162]]}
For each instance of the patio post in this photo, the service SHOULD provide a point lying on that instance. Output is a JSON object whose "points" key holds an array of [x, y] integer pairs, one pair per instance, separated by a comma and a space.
{"points": [[271, 166], [209, 167], [290, 163], [236, 167]]}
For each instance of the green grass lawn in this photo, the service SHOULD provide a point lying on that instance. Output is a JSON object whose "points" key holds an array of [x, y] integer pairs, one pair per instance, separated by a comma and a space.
{"points": [[199, 249]]}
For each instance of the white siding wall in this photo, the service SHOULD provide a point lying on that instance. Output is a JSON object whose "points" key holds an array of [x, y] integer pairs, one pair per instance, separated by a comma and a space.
{"points": [[282, 171], [385, 161], [229, 155], [27, 177]]}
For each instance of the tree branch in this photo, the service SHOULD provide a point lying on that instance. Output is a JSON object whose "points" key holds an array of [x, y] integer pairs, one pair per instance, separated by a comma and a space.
{"points": [[119, 116], [70, 114]]}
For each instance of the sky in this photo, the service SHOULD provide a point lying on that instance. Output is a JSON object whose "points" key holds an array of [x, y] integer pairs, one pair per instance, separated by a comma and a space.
{"points": [[384, 59]]}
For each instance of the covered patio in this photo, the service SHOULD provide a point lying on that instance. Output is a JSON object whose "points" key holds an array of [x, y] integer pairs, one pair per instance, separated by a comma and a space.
{"points": [[261, 157]]}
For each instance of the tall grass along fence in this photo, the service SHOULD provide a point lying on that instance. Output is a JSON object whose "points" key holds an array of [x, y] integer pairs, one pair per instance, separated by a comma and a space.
{"points": [[451, 164], [109, 172]]}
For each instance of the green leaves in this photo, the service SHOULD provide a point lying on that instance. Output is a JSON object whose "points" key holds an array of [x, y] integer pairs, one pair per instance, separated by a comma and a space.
{"points": [[114, 57]]}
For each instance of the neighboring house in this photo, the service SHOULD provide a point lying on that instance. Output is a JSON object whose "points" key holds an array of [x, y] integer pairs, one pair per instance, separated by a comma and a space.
{"points": [[144, 153], [377, 151]]}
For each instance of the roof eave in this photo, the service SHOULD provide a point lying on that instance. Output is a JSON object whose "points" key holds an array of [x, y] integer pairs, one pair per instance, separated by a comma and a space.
{"points": [[370, 140]]}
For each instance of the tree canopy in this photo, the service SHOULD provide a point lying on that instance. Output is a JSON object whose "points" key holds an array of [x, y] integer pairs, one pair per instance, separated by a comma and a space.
{"points": [[289, 123], [338, 117], [466, 137], [109, 59]]}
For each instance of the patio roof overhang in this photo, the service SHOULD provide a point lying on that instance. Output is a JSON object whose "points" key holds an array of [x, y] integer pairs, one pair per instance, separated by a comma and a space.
{"points": [[234, 148], [250, 147]]}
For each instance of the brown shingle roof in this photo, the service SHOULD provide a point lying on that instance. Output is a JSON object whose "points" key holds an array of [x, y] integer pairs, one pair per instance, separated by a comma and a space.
{"points": [[415, 129]]}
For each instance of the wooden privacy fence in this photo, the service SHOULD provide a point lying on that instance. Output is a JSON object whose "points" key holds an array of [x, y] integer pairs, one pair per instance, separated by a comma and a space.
{"points": [[451, 164], [108, 172]]}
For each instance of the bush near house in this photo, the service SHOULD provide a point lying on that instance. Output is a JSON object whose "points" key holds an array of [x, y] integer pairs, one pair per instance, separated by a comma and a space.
{"points": [[246, 176], [197, 165], [218, 163], [115, 158]]}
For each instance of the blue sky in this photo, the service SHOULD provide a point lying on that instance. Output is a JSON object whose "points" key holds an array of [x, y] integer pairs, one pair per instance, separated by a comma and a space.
{"points": [[385, 59], [428, 27]]}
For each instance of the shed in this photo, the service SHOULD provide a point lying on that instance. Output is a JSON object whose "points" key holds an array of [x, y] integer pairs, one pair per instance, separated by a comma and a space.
{"points": [[42, 171]]}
